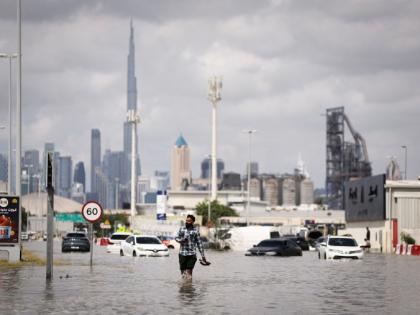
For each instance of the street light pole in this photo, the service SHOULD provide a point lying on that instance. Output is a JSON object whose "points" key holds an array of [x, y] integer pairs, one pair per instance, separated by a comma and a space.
{"points": [[405, 164], [215, 86], [209, 208], [9, 159], [248, 204], [134, 119], [19, 104]]}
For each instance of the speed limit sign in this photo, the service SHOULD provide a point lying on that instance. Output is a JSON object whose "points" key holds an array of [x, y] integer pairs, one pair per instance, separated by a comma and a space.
{"points": [[92, 211]]}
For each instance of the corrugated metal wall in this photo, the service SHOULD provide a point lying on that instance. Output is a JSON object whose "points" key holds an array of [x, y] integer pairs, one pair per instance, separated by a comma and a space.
{"points": [[408, 213]]}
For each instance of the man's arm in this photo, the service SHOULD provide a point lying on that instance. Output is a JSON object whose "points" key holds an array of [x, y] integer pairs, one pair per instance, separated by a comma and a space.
{"points": [[180, 236]]}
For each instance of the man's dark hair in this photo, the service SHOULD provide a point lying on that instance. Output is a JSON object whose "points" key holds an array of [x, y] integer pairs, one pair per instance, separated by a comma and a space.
{"points": [[191, 216]]}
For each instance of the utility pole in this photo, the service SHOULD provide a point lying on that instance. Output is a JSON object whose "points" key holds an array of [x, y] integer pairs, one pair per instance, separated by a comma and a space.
{"points": [[134, 119], [215, 86], [9, 160], [248, 204], [50, 214], [405, 164]]}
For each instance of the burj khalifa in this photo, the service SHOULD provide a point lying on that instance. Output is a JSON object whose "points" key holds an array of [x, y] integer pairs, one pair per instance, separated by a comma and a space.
{"points": [[131, 103]]}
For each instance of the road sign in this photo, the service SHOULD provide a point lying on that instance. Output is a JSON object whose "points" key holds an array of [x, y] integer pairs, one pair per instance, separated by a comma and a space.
{"points": [[92, 211], [105, 226]]}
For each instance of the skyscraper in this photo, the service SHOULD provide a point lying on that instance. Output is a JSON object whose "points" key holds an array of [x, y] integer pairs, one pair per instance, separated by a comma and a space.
{"points": [[95, 157], [64, 176], [205, 168], [131, 103], [79, 175], [31, 160], [180, 165]]}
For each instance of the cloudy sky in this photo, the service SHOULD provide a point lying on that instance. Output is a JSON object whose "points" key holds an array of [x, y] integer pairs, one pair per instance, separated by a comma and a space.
{"points": [[283, 64]]}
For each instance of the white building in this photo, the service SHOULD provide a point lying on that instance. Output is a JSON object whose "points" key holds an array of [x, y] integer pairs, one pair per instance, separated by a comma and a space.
{"points": [[402, 214]]}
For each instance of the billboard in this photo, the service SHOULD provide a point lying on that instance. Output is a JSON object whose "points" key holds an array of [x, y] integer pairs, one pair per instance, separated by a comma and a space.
{"points": [[161, 201], [364, 199], [9, 219]]}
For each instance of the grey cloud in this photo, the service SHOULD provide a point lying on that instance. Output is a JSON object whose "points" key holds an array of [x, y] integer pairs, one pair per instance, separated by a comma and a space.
{"points": [[282, 66]]}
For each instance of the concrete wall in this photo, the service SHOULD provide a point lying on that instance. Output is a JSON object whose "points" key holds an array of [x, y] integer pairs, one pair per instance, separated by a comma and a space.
{"points": [[379, 234]]}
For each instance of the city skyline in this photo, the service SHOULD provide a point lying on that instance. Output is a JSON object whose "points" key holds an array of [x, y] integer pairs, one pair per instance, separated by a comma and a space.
{"points": [[283, 63]]}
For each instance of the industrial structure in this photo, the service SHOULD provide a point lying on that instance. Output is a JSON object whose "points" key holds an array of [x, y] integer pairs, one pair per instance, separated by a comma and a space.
{"points": [[345, 160]]}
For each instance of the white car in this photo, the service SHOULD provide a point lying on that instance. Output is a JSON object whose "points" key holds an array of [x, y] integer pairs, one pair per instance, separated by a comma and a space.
{"points": [[336, 247], [115, 240], [143, 245]]}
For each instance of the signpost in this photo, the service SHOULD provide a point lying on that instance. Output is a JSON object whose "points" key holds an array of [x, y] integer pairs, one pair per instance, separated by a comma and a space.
{"points": [[91, 212], [50, 212]]}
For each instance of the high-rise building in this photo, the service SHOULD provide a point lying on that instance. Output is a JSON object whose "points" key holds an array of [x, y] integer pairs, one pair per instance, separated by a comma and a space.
{"points": [[95, 157], [102, 186], [79, 176], [131, 105], [64, 176], [206, 167], [180, 165], [254, 169], [114, 165], [31, 160]]}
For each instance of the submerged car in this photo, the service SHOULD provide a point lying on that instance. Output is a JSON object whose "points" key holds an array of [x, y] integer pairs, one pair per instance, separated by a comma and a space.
{"points": [[336, 247], [303, 244], [169, 241], [75, 241], [115, 240], [275, 247], [143, 245]]}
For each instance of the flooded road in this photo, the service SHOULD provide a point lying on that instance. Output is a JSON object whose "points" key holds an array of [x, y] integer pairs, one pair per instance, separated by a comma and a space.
{"points": [[233, 284]]}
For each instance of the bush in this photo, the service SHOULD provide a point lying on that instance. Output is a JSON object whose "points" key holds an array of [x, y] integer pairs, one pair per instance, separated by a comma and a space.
{"points": [[217, 210], [407, 238]]}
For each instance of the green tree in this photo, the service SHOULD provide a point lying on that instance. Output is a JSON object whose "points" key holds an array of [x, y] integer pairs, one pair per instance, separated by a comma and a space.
{"points": [[112, 218], [217, 210]]}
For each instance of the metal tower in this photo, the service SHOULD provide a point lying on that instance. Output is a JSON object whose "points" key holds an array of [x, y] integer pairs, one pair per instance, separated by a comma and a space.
{"points": [[345, 160]]}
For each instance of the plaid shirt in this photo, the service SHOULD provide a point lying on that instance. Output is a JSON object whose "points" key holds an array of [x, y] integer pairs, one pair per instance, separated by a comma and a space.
{"points": [[189, 240]]}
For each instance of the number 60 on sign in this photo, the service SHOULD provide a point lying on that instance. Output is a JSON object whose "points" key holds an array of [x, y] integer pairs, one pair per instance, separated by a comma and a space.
{"points": [[92, 211]]}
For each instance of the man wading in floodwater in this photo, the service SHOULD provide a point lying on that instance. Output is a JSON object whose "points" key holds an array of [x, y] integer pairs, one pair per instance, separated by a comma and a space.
{"points": [[189, 238]]}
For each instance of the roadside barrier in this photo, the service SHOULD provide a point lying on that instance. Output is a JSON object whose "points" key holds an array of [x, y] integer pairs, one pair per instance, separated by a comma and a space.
{"points": [[404, 249], [103, 241]]}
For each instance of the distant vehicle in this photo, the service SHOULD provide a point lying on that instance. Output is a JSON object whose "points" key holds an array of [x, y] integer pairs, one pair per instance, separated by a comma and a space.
{"points": [[336, 247], [115, 240], [303, 244], [24, 236], [75, 241], [143, 245], [275, 247], [169, 241]]}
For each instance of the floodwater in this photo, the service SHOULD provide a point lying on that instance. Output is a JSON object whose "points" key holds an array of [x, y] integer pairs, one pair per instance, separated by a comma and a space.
{"points": [[233, 284]]}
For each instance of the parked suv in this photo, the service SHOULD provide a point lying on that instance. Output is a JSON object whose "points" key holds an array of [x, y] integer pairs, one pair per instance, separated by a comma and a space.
{"points": [[75, 241]]}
